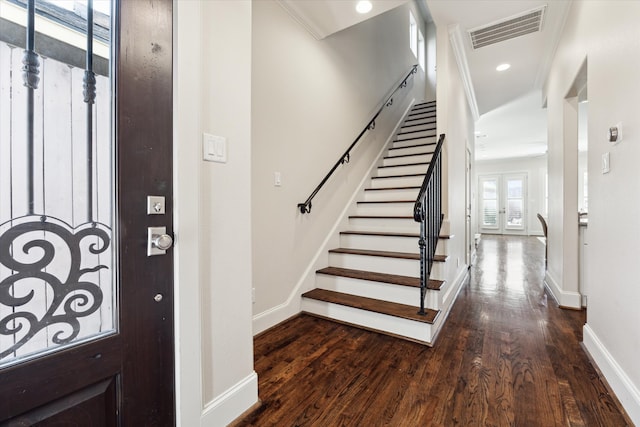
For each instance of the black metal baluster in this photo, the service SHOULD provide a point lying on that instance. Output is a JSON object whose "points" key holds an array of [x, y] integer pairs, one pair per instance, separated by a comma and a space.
{"points": [[89, 97], [422, 243], [430, 218], [30, 78]]}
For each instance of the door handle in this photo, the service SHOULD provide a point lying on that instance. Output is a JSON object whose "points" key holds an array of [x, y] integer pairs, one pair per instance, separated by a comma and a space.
{"points": [[158, 241]]}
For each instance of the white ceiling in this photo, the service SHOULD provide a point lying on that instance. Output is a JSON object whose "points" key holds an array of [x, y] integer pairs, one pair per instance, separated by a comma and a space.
{"points": [[325, 17], [529, 55], [508, 105], [511, 120]]}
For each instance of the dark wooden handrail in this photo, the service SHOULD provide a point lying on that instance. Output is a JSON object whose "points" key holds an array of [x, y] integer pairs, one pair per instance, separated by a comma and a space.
{"points": [[346, 157], [427, 210]]}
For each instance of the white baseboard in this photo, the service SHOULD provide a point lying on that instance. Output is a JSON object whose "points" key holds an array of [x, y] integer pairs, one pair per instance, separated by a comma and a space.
{"points": [[448, 300], [292, 306], [563, 298], [232, 403], [625, 390]]}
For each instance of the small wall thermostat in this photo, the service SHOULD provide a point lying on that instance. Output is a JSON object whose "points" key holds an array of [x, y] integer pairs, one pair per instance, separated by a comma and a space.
{"points": [[615, 133]]}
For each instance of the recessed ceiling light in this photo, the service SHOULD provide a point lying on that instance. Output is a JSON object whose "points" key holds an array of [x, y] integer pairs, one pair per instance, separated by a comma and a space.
{"points": [[503, 67], [364, 6]]}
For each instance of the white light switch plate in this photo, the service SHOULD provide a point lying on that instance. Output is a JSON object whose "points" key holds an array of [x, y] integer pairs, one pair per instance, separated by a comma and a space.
{"points": [[214, 148], [605, 163]]}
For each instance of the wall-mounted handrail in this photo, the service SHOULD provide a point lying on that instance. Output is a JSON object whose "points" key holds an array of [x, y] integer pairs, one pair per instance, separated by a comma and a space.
{"points": [[427, 210], [346, 157]]}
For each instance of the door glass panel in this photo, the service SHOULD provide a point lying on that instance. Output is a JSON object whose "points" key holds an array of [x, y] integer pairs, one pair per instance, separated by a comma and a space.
{"points": [[515, 203], [514, 213], [489, 189], [490, 203], [57, 282], [490, 213]]}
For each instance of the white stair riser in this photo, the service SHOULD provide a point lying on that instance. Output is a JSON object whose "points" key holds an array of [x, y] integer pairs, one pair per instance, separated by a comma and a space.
{"points": [[417, 158], [367, 319], [402, 170], [366, 288], [438, 270], [408, 143], [405, 181], [377, 264], [379, 243], [422, 114], [424, 122], [420, 149], [411, 126], [398, 224], [442, 248], [404, 194], [414, 135], [423, 107], [383, 209]]}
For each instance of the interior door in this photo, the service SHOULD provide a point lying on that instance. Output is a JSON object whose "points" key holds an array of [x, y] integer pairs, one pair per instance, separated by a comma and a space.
{"points": [[469, 238], [503, 203], [86, 316]]}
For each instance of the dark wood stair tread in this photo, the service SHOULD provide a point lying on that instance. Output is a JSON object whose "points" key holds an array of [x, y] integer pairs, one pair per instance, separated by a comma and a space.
{"points": [[414, 138], [425, 110], [372, 202], [413, 146], [385, 254], [377, 306], [372, 276], [428, 115], [390, 234], [416, 131], [381, 217], [392, 188], [411, 125], [410, 175], [404, 165], [408, 155], [368, 252]]}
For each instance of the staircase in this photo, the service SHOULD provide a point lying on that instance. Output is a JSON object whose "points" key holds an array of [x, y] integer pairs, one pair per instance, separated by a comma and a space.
{"points": [[373, 278]]}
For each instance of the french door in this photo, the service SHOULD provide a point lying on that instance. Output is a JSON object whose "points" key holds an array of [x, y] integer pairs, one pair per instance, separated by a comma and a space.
{"points": [[503, 202], [86, 315]]}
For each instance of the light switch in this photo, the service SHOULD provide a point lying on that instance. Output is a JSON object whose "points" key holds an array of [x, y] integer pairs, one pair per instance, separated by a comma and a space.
{"points": [[214, 148], [605, 163], [277, 179]]}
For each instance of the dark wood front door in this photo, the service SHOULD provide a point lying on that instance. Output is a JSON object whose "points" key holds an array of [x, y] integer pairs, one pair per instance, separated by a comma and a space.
{"points": [[86, 316]]}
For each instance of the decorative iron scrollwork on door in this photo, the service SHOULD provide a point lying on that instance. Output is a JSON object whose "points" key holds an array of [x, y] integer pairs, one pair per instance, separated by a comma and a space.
{"points": [[73, 296]]}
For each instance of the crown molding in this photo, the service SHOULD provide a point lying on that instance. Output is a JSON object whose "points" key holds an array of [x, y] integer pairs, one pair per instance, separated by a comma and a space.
{"points": [[457, 44]]}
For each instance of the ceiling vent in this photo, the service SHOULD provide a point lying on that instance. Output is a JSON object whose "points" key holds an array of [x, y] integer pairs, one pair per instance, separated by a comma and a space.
{"points": [[510, 28]]}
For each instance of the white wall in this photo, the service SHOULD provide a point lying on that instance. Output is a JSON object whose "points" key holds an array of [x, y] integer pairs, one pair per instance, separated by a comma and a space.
{"points": [[310, 99], [536, 169], [613, 64], [456, 121], [431, 43], [214, 367]]}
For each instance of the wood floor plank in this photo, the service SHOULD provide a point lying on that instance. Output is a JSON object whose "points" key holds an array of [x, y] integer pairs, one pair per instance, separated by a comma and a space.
{"points": [[507, 356]]}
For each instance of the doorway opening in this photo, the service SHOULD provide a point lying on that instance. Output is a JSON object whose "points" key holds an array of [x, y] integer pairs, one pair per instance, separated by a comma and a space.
{"points": [[503, 203]]}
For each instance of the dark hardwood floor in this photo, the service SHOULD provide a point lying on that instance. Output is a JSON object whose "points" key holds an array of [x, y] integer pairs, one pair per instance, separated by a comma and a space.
{"points": [[508, 356]]}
